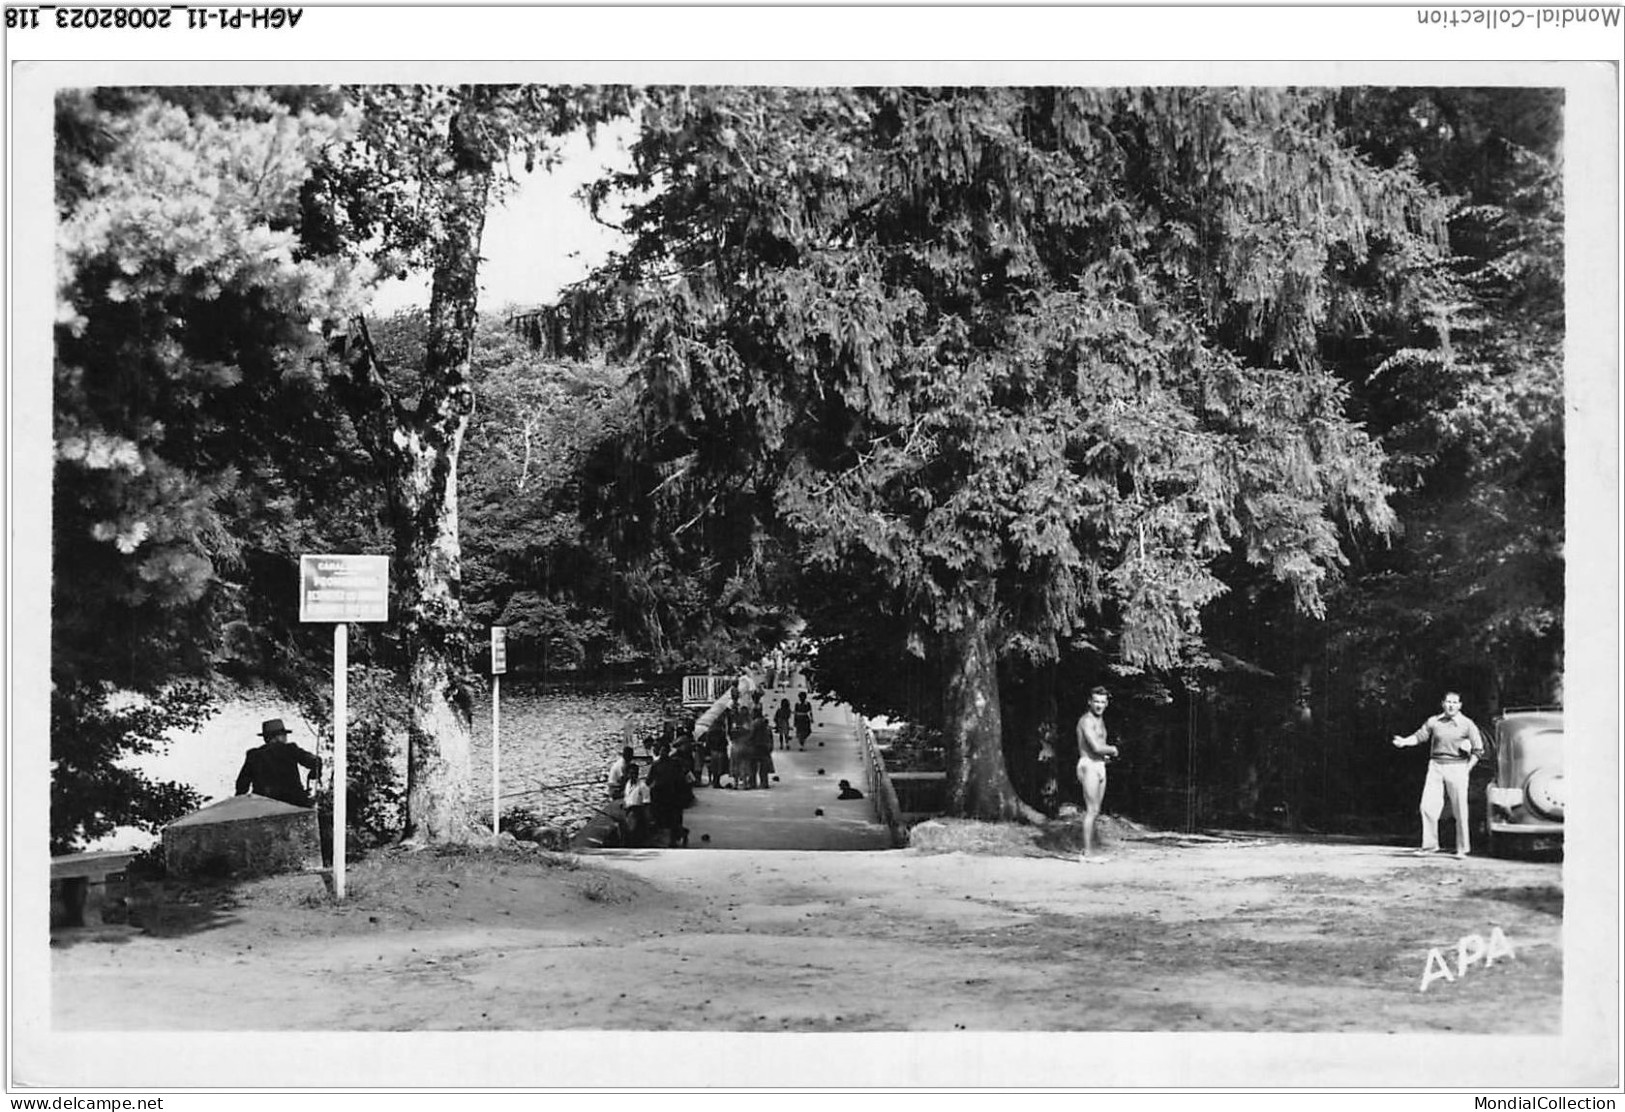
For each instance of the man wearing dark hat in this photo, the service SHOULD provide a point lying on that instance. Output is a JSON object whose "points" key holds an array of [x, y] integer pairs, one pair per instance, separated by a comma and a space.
{"points": [[272, 770]]}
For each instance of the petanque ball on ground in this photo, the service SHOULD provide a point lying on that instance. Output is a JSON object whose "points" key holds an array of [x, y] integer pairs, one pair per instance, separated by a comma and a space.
{"points": [[705, 837], [820, 772], [819, 812]]}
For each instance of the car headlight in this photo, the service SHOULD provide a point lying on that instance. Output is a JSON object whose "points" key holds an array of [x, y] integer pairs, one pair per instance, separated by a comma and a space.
{"points": [[1543, 791]]}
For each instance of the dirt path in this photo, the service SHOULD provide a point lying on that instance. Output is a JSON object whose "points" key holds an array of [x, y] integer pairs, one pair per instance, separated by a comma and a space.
{"points": [[1268, 937]]}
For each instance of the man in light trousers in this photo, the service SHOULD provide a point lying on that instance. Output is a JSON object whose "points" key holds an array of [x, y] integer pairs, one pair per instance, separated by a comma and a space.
{"points": [[1454, 747]]}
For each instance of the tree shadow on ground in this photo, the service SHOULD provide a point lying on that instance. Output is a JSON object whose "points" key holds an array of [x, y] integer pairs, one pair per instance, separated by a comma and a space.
{"points": [[1544, 898], [172, 909], [159, 909]]}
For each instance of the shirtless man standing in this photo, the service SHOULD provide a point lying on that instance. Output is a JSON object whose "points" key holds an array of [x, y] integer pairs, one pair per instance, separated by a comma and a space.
{"points": [[1093, 753]]}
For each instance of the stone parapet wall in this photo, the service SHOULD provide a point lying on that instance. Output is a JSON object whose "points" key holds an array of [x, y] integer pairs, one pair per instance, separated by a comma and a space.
{"points": [[242, 837]]}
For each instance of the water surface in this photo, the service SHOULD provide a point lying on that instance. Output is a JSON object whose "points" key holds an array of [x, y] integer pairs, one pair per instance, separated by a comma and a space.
{"points": [[556, 745]]}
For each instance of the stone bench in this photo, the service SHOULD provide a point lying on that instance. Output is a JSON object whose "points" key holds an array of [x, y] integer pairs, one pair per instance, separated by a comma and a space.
{"points": [[93, 883]]}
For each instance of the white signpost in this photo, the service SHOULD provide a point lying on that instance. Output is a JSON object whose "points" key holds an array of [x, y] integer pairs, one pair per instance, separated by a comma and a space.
{"points": [[499, 665], [342, 589]]}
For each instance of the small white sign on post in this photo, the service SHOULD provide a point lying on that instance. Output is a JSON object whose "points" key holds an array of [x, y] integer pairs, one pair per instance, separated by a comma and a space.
{"points": [[499, 665], [342, 589], [499, 650]]}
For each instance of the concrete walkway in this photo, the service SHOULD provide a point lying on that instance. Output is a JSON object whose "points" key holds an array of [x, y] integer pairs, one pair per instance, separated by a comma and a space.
{"points": [[785, 816]]}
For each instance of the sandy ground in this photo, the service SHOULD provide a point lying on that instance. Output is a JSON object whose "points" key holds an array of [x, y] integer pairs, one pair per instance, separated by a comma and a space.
{"points": [[1169, 935]]}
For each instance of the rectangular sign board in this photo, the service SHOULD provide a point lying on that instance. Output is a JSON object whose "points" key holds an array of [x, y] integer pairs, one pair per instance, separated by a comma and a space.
{"points": [[344, 588], [499, 650]]}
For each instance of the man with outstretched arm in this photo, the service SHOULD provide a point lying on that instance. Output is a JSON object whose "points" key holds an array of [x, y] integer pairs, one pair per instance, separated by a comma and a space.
{"points": [[1093, 753], [1454, 747]]}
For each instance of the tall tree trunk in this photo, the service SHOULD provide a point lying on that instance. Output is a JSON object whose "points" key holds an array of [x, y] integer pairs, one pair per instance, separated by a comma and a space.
{"points": [[1300, 743], [439, 765], [1031, 731], [978, 783], [419, 447], [1047, 707]]}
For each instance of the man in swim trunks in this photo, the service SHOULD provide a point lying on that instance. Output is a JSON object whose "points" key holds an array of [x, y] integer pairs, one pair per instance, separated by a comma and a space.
{"points": [[1093, 753]]}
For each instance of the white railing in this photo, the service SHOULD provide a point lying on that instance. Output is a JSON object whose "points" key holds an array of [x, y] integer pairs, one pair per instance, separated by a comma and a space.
{"points": [[705, 690]]}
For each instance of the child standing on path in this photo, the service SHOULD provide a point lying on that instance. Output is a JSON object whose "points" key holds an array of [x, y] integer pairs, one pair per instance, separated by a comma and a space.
{"points": [[781, 723]]}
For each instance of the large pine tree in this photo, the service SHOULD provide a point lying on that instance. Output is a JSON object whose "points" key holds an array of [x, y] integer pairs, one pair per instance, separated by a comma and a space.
{"points": [[1021, 366], [185, 307]]}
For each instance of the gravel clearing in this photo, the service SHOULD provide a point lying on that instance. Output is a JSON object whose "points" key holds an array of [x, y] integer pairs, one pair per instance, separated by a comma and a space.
{"points": [[1325, 944]]}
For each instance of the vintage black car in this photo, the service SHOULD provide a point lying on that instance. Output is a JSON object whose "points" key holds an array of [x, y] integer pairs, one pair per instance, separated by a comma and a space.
{"points": [[1524, 797]]}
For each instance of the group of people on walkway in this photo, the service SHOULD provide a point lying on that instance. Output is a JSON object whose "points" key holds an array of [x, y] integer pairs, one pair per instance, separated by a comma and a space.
{"points": [[735, 752], [740, 744], [801, 714], [652, 803]]}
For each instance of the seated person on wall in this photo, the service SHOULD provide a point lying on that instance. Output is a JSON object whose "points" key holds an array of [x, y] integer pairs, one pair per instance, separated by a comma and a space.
{"points": [[621, 770], [272, 769], [849, 792], [615, 782]]}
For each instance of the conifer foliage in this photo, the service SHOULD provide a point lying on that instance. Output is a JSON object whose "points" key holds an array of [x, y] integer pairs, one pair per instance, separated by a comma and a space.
{"points": [[1473, 420], [1021, 364], [183, 298], [989, 379]]}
